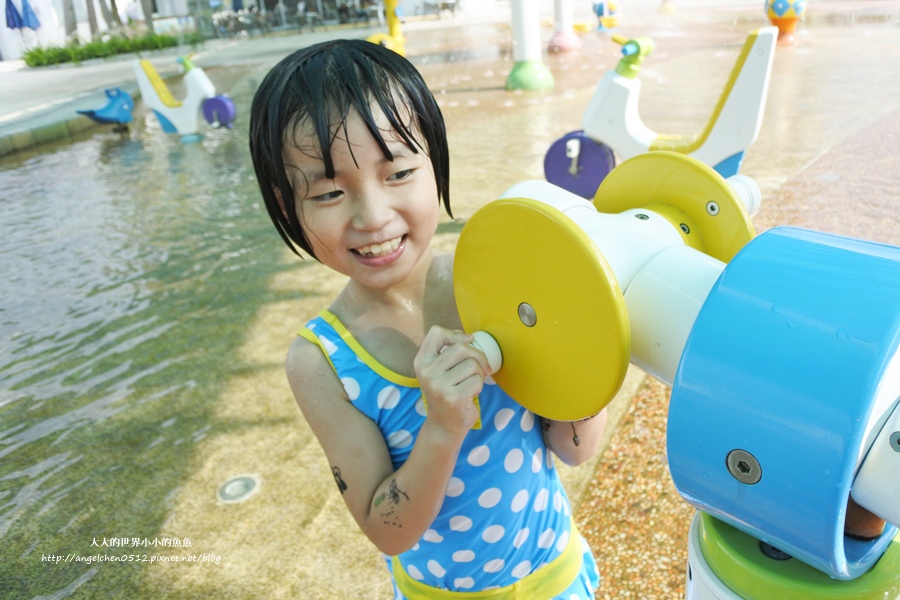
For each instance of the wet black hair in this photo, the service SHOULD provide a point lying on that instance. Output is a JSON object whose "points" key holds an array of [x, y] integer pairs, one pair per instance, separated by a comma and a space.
{"points": [[318, 87]]}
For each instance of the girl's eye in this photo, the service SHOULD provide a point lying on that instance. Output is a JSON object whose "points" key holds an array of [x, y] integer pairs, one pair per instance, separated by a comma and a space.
{"points": [[401, 175], [327, 196]]}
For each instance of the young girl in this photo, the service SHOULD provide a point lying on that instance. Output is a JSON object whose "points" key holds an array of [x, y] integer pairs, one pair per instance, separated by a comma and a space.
{"points": [[444, 472]]}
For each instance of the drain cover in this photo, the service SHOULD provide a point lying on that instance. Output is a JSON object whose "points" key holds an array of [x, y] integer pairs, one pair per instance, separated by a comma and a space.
{"points": [[239, 488]]}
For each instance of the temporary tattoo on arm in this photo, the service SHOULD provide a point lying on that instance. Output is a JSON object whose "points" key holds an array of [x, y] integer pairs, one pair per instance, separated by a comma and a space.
{"points": [[342, 486], [395, 492], [393, 497]]}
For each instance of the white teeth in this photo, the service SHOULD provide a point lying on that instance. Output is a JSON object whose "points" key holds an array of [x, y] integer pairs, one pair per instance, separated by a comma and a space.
{"points": [[379, 249]]}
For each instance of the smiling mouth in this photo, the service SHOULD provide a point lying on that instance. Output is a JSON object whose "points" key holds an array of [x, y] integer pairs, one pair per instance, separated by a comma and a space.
{"points": [[376, 250]]}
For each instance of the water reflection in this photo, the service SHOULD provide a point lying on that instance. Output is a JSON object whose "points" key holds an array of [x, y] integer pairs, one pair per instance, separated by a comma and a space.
{"points": [[131, 266]]}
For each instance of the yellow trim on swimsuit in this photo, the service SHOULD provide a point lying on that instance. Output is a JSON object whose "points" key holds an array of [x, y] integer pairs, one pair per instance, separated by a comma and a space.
{"points": [[547, 582], [367, 358]]}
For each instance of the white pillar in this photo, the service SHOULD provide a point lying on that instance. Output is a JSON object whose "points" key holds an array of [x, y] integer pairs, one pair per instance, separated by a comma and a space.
{"points": [[564, 38]]}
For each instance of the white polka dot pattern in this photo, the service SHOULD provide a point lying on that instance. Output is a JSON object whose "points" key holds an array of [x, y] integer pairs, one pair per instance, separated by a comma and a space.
{"points": [[563, 541], [520, 501], [414, 572], [490, 498], [503, 418], [433, 536], [435, 568], [330, 347], [479, 456], [455, 487], [504, 512], [493, 534], [400, 439], [388, 398], [514, 460], [459, 523], [527, 421], [521, 537], [522, 569], [351, 386], [494, 566], [463, 556], [536, 460]]}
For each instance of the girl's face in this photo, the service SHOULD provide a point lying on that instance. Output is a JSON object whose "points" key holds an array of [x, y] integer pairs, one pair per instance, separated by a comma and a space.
{"points": [[374, 221]]}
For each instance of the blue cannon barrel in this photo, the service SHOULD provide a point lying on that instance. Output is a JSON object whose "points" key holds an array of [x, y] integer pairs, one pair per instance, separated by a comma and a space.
{"points": [[784, 363]]}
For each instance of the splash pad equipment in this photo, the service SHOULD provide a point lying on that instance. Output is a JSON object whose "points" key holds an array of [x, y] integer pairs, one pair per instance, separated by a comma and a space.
{"points": [[785, 15], [183, 116], [564, 38], [529, 71], [611, 125], [606, 12], [393, 39], [117, 110], [782, 350]]}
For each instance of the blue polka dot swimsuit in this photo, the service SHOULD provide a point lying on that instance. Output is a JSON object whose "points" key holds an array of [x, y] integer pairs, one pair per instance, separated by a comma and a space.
{"points": [[505, 513]]}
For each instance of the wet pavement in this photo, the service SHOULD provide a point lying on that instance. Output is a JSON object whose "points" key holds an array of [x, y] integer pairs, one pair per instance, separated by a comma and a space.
{"points": [[826, 159]]}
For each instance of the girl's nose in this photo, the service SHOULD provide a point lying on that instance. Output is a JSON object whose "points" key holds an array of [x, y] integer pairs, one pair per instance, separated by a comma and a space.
{"points": [[373, 211]]}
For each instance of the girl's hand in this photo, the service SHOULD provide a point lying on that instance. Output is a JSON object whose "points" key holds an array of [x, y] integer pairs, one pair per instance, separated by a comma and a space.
{"points": [[451, 373]]}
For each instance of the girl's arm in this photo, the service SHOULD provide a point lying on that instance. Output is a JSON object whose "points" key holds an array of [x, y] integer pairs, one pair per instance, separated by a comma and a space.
{"points": [[393, 508], [576, 441]]}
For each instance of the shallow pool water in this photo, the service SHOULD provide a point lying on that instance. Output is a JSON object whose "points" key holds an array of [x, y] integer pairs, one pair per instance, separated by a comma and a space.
{"points": [[131, 267]]}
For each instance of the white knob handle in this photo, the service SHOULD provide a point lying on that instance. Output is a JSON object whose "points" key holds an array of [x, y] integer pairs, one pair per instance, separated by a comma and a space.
{"points": [[747, 191], [488, 345]]}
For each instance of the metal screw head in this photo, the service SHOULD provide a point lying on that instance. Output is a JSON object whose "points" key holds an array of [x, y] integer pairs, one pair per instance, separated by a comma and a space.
{"points": [[743, 466], [712, 208], [641, 216], [773, 552], [527, 315], [684, 228], [895, 441]]}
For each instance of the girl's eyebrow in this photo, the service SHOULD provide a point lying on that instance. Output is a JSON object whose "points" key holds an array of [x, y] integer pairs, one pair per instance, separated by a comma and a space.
{"points": [[399, 149], [315, 176], [306, 177]]}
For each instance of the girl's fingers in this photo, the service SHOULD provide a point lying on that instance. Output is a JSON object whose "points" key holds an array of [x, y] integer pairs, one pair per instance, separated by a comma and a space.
{"points": [[448, 366], [438, 339]]}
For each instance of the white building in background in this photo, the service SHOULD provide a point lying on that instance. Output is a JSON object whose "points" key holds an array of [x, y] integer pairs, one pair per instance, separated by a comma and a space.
{"points": [[52, 32], [174, 15]]}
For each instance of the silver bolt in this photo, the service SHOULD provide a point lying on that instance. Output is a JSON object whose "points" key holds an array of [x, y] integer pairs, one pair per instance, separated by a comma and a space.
{"points": [[773, 552], [712, 208], [743, 466], [685, 229], [895, 441], [527, 315]]}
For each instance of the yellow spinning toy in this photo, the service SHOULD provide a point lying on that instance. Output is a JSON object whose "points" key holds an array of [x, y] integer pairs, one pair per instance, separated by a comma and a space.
{"points": [[565, 279], [393, 39]]}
